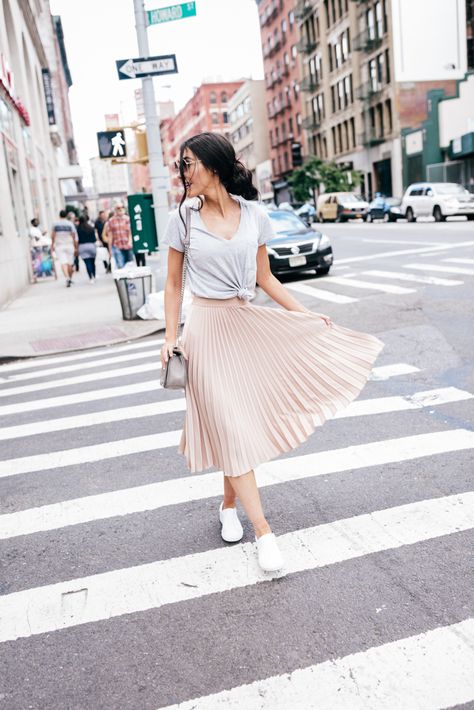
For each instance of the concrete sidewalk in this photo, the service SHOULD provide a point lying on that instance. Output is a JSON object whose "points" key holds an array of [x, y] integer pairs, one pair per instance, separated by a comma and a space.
{"points": [[50, 318]]}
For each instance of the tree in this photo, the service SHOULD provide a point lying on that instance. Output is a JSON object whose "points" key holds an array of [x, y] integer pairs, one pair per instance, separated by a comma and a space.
{"points": [[308, 179]]}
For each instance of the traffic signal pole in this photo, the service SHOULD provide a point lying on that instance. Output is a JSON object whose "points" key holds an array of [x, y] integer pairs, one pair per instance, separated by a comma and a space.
{"points": [[158, 171]]}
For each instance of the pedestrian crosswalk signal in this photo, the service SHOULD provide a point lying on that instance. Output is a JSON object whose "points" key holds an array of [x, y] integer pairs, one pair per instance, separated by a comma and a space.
{"points": [[112, 144], [296, 157]]}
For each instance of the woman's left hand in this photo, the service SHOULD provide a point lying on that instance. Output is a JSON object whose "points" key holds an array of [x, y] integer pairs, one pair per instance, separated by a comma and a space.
{"points": [[325, 318]]}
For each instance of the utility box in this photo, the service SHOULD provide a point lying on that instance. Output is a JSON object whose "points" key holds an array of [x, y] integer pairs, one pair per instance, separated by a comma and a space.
{"points": [[142, 223]]}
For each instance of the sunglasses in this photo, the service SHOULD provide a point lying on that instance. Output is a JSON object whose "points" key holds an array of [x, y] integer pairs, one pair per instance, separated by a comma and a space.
{"points": [[185, 164]]}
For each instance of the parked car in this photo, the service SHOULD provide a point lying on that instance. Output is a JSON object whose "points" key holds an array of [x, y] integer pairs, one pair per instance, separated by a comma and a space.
{"points": [[341, 206], [437, 199], [307, 213], [386, 208], [297, 247]]}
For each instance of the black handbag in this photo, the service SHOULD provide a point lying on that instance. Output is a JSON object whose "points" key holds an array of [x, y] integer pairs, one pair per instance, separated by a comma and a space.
{"points": [[175, 373]]}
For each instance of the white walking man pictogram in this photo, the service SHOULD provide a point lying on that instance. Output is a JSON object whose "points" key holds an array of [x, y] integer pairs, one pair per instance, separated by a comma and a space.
{"points": [[118, 143]]}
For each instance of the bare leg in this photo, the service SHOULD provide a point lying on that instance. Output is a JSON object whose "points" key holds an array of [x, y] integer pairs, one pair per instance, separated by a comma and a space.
{"points": [[245, 488], [229, 494], [65, 269]]}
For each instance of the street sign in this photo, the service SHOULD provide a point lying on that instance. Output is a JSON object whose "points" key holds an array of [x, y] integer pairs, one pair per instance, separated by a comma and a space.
{"points": [[146, 66], [173, 12], [111, 144]]}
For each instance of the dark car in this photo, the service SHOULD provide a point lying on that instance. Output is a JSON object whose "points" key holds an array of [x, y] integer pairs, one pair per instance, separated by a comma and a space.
{"points": [[297, 247], [386, 208]]}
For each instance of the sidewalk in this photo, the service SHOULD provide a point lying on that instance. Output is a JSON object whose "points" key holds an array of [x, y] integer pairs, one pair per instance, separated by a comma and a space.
{"points": [[49, 318]]}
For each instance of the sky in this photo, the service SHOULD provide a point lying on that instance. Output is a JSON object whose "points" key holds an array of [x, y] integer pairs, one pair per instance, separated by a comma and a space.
{"points": [[221, 43]]}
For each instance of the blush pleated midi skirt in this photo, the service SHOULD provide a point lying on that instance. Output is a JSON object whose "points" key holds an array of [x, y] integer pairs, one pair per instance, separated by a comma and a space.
{"points": [[261, 379]]}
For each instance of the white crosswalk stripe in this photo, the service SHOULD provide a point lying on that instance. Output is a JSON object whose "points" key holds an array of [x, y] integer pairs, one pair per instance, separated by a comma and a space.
{"points": [[357, 283], [434, 280], [459, 261], [442, 269], [360, 408], [38, 363], [125, 591], [319, 292], [378, 373], [431, 671], [183, 490], [409, 670], [95, 364]]}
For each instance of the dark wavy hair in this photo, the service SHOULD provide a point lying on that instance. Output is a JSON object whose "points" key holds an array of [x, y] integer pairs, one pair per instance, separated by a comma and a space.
{"points": [[217, 154]]}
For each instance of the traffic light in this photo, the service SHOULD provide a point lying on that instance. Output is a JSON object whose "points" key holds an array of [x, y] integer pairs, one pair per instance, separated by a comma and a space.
{"points": [[141, 143], [112, 144], [296, 156]]}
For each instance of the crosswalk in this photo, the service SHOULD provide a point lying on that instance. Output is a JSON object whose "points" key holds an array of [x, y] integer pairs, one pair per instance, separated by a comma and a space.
{"points": [[104, 536], [345, 288]]}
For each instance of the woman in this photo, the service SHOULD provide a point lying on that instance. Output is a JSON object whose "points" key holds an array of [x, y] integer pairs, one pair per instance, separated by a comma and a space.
{"points": [[259, 379], [87, 245]]}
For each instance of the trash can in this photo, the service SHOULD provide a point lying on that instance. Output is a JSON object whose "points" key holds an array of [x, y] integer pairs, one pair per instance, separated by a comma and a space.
{"points": [[134, 284]]}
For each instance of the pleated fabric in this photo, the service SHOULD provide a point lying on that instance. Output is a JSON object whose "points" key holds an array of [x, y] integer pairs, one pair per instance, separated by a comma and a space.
{"points": [[261, 379]]}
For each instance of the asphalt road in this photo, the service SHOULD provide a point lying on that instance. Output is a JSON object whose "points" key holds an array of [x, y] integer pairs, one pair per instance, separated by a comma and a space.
{"points": [[116, 590]]}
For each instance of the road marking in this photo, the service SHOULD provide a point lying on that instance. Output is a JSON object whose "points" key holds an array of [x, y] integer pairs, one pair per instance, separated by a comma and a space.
{"points": [[378, 373], [40, 361], [319, 293], [207, 485], [364, 407], [460, 261], [79, 398], [385, 372], [357, 283], [85, 366], [443, 269], [427, 671], [402, 252], [434, 280], [81, 379], [153, 585], [407, 241]]}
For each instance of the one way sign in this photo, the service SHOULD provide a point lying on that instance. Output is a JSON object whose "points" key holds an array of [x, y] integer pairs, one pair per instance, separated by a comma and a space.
{"points": [[146, 66]]}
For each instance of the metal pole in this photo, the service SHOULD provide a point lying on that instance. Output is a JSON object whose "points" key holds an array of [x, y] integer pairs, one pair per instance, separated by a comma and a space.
{"points": [[159, 173]]}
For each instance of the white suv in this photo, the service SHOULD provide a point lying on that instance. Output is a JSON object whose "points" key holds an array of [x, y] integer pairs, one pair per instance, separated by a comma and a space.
{"points": [[437, 199]]}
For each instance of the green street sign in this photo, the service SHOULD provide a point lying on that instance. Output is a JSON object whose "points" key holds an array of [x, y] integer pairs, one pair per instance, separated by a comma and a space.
{"points": [[172, 12]]}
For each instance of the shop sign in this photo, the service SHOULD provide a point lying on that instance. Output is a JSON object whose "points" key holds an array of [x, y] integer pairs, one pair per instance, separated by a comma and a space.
{"points": [[6, 81], [48, 93]]}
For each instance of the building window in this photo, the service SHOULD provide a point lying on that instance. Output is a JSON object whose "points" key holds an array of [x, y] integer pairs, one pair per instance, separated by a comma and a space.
{"points": [[283, 27], [388, 105], [334, 144], [294, 51], [212, 97], [225, 117], [339, 136], [353, 132], [214, 118], [298, 123], [224, 97], [291, 19], [387, 66], [325, 147], [285, 158]]}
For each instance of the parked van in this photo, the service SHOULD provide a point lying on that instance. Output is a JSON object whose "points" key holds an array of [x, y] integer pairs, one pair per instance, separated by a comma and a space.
{"points": [[341, 206], [437, 199]]}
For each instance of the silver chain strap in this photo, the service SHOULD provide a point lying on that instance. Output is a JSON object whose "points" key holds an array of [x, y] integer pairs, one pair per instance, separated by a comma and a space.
{"points": [[183, 277]]}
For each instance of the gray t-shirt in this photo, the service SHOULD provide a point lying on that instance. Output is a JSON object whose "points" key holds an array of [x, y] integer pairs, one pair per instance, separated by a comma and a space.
{"points": [[217, 267], [64, 231]]}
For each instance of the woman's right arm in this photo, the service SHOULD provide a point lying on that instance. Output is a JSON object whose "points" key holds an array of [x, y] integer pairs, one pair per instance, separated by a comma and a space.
{"points": [[172, 301]]}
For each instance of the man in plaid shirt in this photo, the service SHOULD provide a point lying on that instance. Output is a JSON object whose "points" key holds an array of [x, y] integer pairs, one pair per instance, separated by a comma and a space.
{"points": [[119, 237]]}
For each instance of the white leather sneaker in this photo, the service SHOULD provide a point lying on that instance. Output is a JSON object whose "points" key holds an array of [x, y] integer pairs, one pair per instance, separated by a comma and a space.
{"points": [[232, 530], [269, 556]]}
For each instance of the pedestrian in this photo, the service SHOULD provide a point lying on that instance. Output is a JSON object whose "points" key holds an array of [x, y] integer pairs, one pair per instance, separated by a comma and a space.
{"points": [[119, 237], [72, 217], [259, 379], [99, 225], [37, 236], [87, 245], [64, 244]]}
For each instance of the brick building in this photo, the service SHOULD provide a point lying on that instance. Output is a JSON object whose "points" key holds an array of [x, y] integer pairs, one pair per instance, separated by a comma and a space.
{"points": [[207, 110], [280, 46]]}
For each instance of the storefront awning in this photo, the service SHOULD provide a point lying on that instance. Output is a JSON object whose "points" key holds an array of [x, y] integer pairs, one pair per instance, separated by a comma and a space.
{"points": [[462, 147]]}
